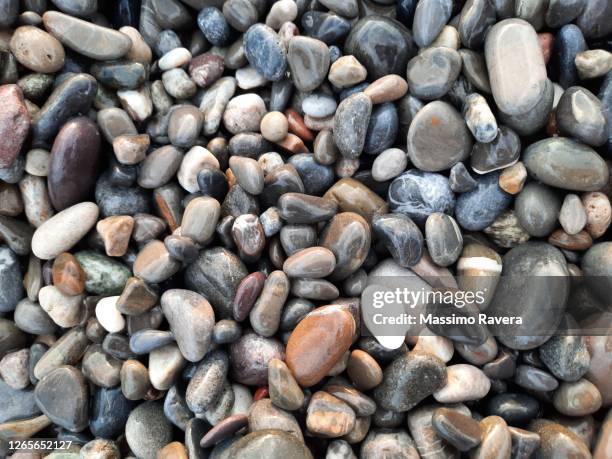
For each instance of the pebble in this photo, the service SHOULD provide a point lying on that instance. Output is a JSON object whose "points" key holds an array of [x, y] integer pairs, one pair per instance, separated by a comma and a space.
{"points": [[510, 73], [131, 149], [250, 355], [134, 380], [328, 416], [309, 62], [557, 439], [154, 264], [460, 180], [431, 73], [147, 430], [14, 123], [350, 124], [103, 275], [572, 216], [264, 51], [537, 209], [438, 137], [37, 50], [274, 126], [353, 196], [401, 236], [346, 72], [388, 88], [408, 380], [424, 434], [244, 113], [389, 164], [86, 38], [429, 19], [577, 398], [70, 411], [579, 114], [284, 390], [205, 69], [464, 383], [248, 174], [461, 431], [312, 350], [477, 209], [14, 369], [184, 126], [593, 63], [387, 53], [10, 280], [264, 415], [537, 157], [598, 212], [115, 232], [271, 443]]}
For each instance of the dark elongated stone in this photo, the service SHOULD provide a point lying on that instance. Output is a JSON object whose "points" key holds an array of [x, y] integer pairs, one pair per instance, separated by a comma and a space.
{"points": [[74, 95], [264, 51], [382, 129], [327, 27], [109, 412], [569, 41], [459, 430], [11, 289], [120, 74], [73, 163], [401, 236]]}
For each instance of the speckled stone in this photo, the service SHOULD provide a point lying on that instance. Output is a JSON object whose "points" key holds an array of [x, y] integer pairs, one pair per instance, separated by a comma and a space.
{"points": [[479, 208]]}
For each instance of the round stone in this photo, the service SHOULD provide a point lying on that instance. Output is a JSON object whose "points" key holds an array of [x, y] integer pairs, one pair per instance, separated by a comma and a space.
{"points": [[37, 50], [444, 239], [438, 137], [580, 114], [147, 430], [478, 208], [432, 72], [264, 51], [537, 209]]}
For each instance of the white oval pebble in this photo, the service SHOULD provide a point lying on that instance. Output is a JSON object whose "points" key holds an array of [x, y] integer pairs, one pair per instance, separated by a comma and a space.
{"points": [[174, 58], [108, 315], [464, 383]]}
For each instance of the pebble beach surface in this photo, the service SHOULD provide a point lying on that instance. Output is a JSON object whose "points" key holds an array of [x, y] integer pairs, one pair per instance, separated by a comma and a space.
{"points": [[195, 194]]}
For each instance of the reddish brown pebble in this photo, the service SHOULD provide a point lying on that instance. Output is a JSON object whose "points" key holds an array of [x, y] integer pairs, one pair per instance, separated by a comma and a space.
{"points": [[14, 123], [561, 239], [328, 416], [293, 144], [68, 276], [599, 213], [247, 292], [386, 89], [546, 41], [206, 68], [137, 297], [297, 126], [318, 342], [261, 392], [225, 429]]}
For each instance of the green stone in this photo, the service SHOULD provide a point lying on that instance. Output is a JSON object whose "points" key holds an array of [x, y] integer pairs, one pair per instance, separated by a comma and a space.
{"points": [[105, 276]]}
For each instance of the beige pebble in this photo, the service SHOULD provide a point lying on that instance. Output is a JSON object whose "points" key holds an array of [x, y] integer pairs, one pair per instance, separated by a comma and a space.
{"points": [[37, 162], [593, 63], [347, 71], [274, 126], [116, 232], [387, 89], [599, 213], [131, 149], [512, 179]]}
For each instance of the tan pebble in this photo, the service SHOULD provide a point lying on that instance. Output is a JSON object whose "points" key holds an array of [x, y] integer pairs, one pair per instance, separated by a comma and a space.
{"points": [[174, 450], [387, 89], [293, 144], [512, 179], [328, 416], [37, 162], [131, 149], [116, 232], [599, 213], [593, 63], [364, 370], [274, 126], [37, 50], [347, 71], [140, 51]]}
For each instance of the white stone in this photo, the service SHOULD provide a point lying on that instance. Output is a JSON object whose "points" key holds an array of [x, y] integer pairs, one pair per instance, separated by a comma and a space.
{"points": [[164, 364], [174, 58], [439, 346], [109, 316], [319, 105], [64, 310], [389, 164], [64, 230], [463, 383], [249, 78], [193, 162], [37, 162], [137, 102]]}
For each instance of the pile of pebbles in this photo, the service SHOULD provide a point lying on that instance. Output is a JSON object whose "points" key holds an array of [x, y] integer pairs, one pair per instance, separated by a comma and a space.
{"points": [[194, 194]]}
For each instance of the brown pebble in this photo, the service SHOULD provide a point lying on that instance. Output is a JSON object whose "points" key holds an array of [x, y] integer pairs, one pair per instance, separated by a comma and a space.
{"points": [[293, 144], [225, 429], [247, 292], [318, 342], [386, 89], [561, 239], [68, 276], [599, 213], [174, 450], [131, 149], [137, 297], [546, 41], [37, 50], [297, 126], [115, 232], [354, 196], [512, 179], [364, 370], [328, 416]]}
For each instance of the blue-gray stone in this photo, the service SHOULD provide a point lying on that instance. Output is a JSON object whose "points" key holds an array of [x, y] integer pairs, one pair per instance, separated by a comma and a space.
{"points": [[109, 412], [561, 12], [430, 17], [353, 90], [265, 52], [14, 172], [327, 27], [175, 407], [144, 341], [476, 18], [569, 41], [214, 26], [316, 177], [17, 404], [460, 179], [595, 18], [166, 41], [478, 208], [418, 194], [119, 200], [605, 95], [401, 236], [382, 129], [11, 286]]}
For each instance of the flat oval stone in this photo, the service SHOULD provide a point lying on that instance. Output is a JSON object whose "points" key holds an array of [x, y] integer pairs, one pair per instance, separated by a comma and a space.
{"points": [[479, 208], [431, 73], [246, 293], [438, 137], [269, 443], [418, 194], [11, 290], [430, 17], [14, 123], [389, 164], [517, 74], [409, 379], [37, 50], [351, 124], [318, 342], [464, 383], [104, 275], [214, 26], [284, 390], [147, 430], [566, 164], [537, 209], [73, 163], [191, 320], [154, 263], [64, 230], [401, 236], [460, 430], [264, 51], [309, 61], [444, 239], [557, 439], [250, 356], [578, 398], [86, 38], [313, 262], [206, 385], [382, 129], [248, 173], [580, 114], [381, 44], [71, 410], [348, 237], [550, 293]]}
